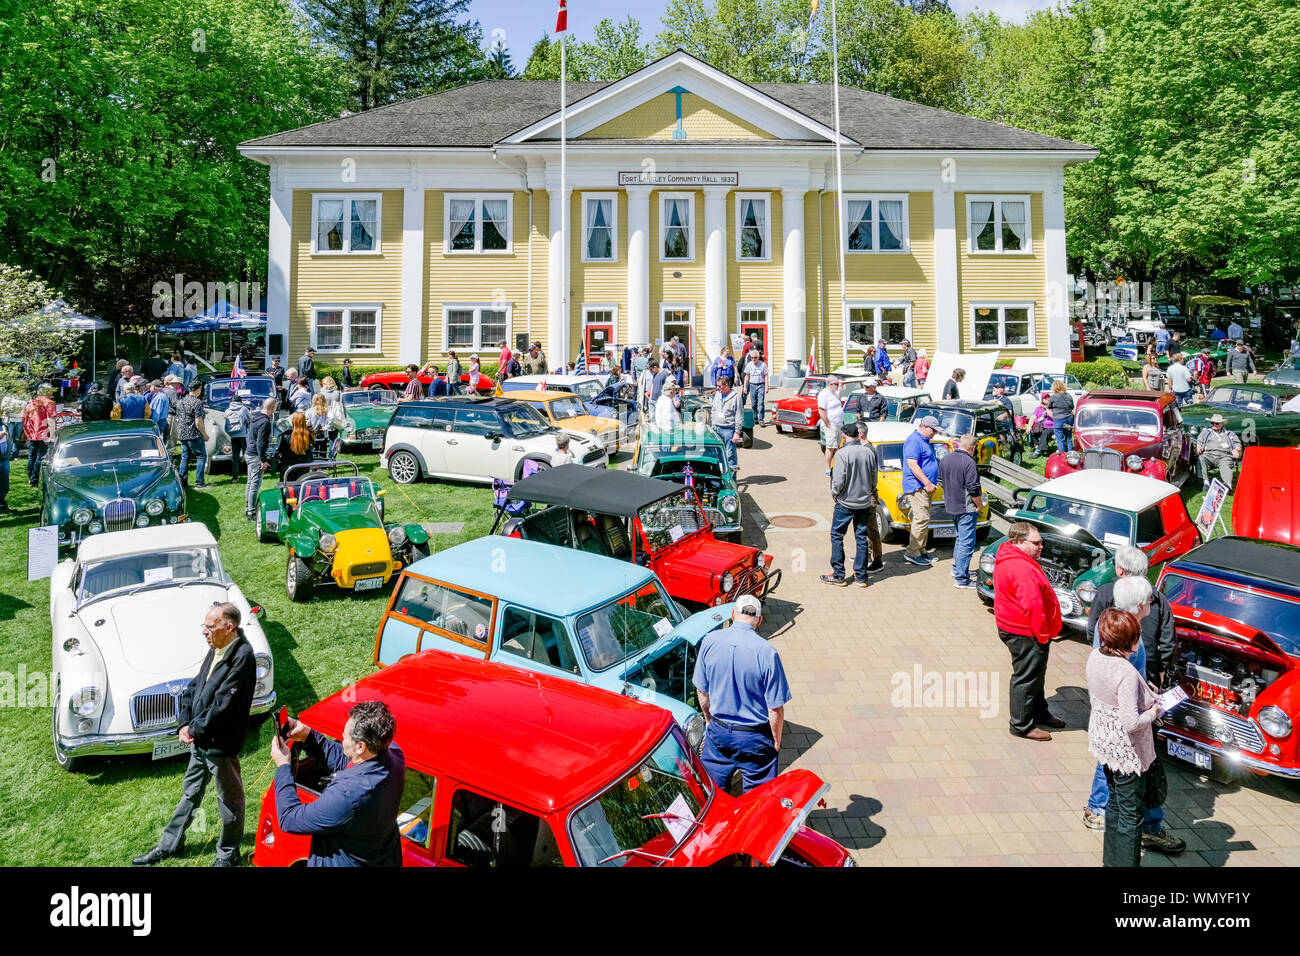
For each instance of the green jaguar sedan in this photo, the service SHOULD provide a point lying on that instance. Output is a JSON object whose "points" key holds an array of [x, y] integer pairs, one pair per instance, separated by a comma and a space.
{"points": [[693, 454]]}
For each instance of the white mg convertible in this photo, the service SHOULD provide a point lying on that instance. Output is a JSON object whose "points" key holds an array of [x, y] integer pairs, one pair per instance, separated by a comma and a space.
{"points": [[126, 616]]}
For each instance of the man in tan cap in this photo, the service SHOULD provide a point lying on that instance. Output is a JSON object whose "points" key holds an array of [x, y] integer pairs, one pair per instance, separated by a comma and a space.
{"points": [[1219, 449]]}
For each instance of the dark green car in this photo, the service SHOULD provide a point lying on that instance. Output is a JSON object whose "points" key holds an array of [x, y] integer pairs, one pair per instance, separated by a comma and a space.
{"points": [[334, 526], [1254, 412], [108, 476], [369, 412], [693, 454]]}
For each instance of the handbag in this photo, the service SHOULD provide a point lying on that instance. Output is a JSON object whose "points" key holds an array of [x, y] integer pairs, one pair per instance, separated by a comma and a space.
{"points": [[1155, 785]]}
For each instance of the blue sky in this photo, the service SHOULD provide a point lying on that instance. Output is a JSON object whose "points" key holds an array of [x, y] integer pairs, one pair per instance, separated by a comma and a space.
{"points": [[524, 21]]}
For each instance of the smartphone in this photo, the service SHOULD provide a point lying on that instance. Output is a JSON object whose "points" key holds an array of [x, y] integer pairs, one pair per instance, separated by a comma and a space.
{"points": [[282, 723]]}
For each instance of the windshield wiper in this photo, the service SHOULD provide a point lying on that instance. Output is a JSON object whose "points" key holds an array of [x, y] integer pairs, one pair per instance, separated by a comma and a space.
{"points": [[638, 851]]}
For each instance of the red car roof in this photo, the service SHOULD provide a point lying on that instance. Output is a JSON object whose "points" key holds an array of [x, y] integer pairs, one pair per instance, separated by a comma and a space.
{"points": [[536, 741], [1129, 395]]}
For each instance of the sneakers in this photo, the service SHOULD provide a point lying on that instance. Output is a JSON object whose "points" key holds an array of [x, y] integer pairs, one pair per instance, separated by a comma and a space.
{"points": [[862, 582], [1094, 821], [964, 585], [828, 474], [921, 562], [1163, 842], [875, 565], [838, 582], [201, 484]]}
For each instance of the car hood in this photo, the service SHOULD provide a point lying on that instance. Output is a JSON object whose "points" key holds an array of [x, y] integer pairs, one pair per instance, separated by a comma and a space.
{"points": [[761, 823], [798, 401], [372, 417], [1124, 442], [1216, 627], [1063, 530], [340, 516], [705, 554], [131, 632], [585, 423], [126, 480]]}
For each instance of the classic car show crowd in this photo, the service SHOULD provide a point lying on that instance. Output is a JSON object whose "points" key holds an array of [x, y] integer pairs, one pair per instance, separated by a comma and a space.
{"points": [[652, 658]]}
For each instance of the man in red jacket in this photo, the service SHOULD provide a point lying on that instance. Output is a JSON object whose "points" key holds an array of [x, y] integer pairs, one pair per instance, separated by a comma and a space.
{"points": [[1028, 616]]}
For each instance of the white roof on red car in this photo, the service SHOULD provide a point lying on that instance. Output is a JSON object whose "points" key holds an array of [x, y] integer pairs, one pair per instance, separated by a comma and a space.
{"points": [[1116, 489]]}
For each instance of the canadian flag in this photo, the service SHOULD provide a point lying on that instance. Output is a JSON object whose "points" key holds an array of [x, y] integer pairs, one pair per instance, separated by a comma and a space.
{"points": [[562, 18], [812, 357]]}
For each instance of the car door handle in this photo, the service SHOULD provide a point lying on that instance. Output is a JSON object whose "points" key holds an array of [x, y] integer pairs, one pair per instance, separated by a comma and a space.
{"points": [[452, 441]]}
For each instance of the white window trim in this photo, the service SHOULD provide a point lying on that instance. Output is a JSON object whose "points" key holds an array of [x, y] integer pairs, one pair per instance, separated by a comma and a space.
{"points": [[767, 225], [589, 307], [347, 308], [478, 249], [875, 305], [1002, 324], [347, 224], [613, 225], [875, 249], [997, 199], [663, 226], [477, 307]]}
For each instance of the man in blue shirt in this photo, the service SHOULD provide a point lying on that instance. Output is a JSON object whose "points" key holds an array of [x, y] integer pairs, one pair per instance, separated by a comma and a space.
{"points": [[920, 474], [743, 693], [354, 821], [1162, 341]]}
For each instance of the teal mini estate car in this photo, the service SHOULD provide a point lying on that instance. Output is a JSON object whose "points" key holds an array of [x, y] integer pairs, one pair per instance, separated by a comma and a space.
{"points": [[108, 476], [693, 454], [557, 611]]}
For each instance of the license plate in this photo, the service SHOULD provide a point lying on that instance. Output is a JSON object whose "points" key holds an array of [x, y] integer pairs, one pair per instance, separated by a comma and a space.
{"points": [[377, 444], [943, 532], [787, 428], [1190, 754], [369, 584], [169, 748]]}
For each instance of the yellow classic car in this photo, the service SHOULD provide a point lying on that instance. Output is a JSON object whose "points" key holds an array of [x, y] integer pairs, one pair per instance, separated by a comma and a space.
{"points": [[566, 412], [893, 514]]}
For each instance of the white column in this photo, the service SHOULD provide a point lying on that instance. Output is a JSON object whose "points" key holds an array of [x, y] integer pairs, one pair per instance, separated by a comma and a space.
{"points": [[278, 262], [638, 265], [410, 344], [795, 294], [1058, 316], [557, 325], [715, 272], [946, 305]]}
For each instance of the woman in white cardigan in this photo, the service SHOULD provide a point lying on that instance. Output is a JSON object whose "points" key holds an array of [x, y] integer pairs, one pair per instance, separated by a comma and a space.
{"points": [[1119, 733]]}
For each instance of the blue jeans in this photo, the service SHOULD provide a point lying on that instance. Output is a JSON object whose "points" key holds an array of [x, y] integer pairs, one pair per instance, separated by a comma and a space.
{"points": [[757, 393], [728, 432], [1059, 425], [909, 379], [749, 751], [193, 447], [254, 466], [840, 519], [963, 546], [4, 481], [35, 456]]}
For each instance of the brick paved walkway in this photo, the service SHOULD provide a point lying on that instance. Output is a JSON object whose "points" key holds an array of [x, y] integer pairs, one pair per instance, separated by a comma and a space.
{"points": [[935, 785]]}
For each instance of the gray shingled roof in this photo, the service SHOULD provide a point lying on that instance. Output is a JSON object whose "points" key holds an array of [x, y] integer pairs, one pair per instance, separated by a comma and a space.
{"points": [[481, 114]]}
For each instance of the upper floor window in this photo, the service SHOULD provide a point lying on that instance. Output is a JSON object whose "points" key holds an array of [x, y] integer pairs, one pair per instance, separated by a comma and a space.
{"points": [[753, 227], [998, 224], [478, 223], [599, 227], [875, 223], [676, 226], [345, 223]]}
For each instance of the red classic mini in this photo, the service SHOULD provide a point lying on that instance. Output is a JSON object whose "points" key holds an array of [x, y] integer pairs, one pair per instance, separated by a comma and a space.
{"points": [[508, 767], [1135, 431]]}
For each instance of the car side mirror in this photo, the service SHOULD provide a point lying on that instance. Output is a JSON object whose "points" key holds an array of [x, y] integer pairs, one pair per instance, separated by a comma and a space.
{"points": [[493, 436]]}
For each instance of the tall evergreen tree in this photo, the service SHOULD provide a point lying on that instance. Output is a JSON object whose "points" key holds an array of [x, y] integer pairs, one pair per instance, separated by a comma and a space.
{"points": [[499, 66]]}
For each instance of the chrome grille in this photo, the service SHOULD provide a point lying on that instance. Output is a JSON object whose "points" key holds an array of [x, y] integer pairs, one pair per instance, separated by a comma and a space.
{"points": [[369, 568], [593, 456], [155, 707], [1070, 606], [790, 416], [1105, 459], [1205, 719], [119, 514]]}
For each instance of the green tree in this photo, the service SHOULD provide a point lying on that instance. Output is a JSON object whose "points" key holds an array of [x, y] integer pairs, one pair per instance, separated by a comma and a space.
{"points": [[616, 50], [756, 41], [29, 345], [499, 66]]}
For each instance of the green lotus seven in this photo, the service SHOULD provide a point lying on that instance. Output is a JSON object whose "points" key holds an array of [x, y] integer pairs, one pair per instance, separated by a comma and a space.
{"points": [[108, 476], [693, 454], [334, 527]]}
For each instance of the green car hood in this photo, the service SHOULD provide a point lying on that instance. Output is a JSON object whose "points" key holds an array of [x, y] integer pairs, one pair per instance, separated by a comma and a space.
{"points": [[336, 517], [371, 417], [104, 483]]}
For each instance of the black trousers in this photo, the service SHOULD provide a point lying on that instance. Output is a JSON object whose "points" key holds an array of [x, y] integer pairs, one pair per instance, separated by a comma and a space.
{"points": [[1028, 672], [1122, 843], [237, 446]]}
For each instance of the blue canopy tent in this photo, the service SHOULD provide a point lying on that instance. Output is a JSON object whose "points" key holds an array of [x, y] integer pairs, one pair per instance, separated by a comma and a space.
{"points": [[220, 317]]}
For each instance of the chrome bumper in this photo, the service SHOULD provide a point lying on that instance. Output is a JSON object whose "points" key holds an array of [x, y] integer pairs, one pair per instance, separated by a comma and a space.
{"points": [[1235, 756], [96, 745]]}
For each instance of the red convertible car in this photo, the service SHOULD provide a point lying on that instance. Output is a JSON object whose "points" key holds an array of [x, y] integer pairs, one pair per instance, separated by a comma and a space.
{"points": [[508, 767], [396, 382], [1135, 431], [1266, 505], [799, 413], [1236, 605]]}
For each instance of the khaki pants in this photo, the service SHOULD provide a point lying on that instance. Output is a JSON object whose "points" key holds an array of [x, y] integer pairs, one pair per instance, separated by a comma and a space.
{"points": [[873, 533], [919, 501]]}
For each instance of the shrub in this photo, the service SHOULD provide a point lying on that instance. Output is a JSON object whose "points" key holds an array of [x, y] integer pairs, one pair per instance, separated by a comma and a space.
{"points": [[1099, 373], [359, 371]]}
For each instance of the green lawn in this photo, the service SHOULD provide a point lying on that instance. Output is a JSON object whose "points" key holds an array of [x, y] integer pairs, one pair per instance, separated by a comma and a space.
{"points": [[116, 807]]}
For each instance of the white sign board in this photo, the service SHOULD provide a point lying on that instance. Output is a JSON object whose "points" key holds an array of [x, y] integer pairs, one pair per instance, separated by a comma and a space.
{"points": [[647, 178], [978, 366], [42, 551]]}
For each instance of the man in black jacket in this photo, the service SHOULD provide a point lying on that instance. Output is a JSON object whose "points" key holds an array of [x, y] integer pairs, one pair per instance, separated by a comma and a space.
{"points": [[257, 453], [213, 714], [307, 369]]}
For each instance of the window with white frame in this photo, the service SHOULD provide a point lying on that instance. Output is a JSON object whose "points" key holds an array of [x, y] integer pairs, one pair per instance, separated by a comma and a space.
{"points": [[599, 227], [753, 227], [476, 223], [869, 322], [677, 226], [875, 223], [472, 325], [346, 328], [998, 224], [1002, 325], [343, 223]]}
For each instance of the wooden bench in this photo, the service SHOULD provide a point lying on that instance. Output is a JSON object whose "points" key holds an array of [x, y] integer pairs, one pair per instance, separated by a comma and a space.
{"points": [[1005, 484]]}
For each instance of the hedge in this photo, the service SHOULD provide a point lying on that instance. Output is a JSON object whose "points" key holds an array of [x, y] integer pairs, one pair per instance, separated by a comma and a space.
{"points": [[360, 371], [1099, 373]]}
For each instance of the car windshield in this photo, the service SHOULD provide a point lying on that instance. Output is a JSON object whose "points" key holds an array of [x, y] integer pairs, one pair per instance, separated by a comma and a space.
{"points": [[704, 460], [179, 567], [1114, 529], [1278, 618], [811, 386], [334, 489], [376, 396], [523, 421], [144, 448], [652, 808], [1008, 380], [1044, 383], [622, 628], [1247, 399], [951, 421], [1125, 418], [253, 391], [562, 408], [669, 519], [889, 456], [587, 391]]}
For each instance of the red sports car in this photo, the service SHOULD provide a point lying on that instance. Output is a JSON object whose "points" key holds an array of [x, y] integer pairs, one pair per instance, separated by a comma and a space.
{"points": [[396, 382], [800, 413], [1266, 503], [1128, 430]]}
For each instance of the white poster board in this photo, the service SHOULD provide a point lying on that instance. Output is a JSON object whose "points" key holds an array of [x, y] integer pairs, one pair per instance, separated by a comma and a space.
{"points": [[978, 365], [42, 551], [1210, 507]]}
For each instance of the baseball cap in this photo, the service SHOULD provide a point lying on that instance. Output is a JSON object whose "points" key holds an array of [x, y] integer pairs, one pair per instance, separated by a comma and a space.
{"points": [[748, 604], [930, 422], [871, 383]]}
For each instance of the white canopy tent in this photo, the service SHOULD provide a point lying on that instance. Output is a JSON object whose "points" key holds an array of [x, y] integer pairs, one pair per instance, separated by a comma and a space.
{"points": [[60, 315]]}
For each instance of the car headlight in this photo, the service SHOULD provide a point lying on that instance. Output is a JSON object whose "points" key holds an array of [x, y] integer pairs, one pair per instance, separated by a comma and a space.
{"points": [[328, 543], [1073, 458], [1134, 463], [727, 581], [728, 504], [694, 728], [986, 562], [849, 861], [85, 702], [142, 521], [95, 527], [1086, 592], [263, 665], [154, 507], [81, 515], [396, 537], [1275, 722]]}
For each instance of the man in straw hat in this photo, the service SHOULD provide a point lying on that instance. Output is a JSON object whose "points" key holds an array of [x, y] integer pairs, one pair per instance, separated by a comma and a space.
{"points": [[1219, 449]]}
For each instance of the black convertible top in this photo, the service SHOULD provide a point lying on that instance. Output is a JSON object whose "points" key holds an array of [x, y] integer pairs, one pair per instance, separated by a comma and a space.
{"points": [[594, 489], [1270, 561]]}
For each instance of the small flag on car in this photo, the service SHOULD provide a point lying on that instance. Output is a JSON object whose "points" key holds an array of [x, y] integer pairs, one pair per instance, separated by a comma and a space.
{"points": [[688, 476], [237, 373]]}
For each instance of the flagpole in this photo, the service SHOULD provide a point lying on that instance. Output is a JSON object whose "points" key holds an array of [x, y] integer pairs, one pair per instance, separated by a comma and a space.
{"points": [[564, 198], [839, 183]]}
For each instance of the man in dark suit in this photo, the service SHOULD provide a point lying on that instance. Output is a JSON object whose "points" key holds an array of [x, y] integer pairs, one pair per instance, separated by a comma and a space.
{"points": [[354, 821], [213, 712]]}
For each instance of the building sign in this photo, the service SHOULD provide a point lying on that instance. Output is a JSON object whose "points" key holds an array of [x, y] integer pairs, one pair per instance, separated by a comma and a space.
{"points": [[646, 178]]}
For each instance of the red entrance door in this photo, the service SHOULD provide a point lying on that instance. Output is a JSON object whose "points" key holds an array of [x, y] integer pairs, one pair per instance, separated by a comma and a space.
{"points": [[759, 327], [598, 337]]}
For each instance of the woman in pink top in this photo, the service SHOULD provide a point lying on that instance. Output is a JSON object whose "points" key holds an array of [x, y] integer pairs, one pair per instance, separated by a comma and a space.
{"points": [[921, 368]]}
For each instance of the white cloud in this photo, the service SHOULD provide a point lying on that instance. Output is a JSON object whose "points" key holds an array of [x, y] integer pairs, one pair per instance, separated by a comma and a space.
{"points": [[1013, 10]]}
